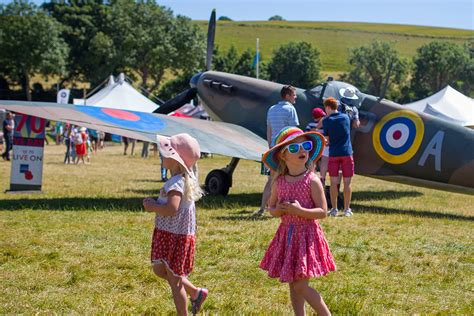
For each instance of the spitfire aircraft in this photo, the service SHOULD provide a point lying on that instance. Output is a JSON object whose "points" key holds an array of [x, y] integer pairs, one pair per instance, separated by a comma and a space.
{"points": [[392, 143]]}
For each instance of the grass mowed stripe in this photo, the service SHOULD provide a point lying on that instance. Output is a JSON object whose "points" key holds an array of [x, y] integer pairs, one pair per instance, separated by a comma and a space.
{"points": [[83, 245], [333, 39]]}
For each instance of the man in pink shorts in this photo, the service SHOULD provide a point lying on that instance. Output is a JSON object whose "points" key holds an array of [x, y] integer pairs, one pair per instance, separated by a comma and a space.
{"points": [[337, 127]]}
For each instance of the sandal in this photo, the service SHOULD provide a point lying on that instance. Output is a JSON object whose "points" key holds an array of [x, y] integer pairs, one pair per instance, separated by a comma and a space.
{"points": [[197, 303]]}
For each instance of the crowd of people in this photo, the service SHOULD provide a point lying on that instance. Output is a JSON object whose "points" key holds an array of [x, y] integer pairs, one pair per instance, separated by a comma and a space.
{"points": [[80, 142]]}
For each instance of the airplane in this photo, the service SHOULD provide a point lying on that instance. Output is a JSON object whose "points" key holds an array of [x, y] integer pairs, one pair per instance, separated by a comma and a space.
{"points": [[392, 143]]}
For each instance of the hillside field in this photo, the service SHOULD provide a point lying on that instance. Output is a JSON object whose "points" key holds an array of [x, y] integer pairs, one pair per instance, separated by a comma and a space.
{"points": [[333, 39]]}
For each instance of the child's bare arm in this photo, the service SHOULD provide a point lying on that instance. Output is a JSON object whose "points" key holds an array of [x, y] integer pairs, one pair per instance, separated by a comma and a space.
{"points": [[317, 195], [273, 202], [169, 209]]}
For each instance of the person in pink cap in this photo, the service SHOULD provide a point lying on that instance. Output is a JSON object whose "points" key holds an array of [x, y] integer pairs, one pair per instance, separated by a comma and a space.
{"points": [[299, 250], [173, 242]]}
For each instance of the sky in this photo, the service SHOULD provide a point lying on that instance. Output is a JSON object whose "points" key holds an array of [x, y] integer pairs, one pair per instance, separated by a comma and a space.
{"points": [[443, 13]]}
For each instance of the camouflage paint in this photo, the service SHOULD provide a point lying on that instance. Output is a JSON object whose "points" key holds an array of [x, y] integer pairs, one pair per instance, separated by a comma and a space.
{"points": [[441, 155]]}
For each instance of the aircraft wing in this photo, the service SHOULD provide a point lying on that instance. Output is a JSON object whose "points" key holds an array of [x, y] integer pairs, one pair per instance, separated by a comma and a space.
{"points": [[213, 137]]}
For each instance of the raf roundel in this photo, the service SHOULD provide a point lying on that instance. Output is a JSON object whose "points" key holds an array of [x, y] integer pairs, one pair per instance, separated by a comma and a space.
{"points": [[397, 136], [120, 114], [138, 121]]}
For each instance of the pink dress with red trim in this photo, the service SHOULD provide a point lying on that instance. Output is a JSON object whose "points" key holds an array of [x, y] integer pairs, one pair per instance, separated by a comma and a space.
{"points": [[299, 249], [173, 242]]}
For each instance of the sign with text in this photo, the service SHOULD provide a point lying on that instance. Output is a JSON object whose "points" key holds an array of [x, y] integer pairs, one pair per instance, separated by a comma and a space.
{"points": [[28, 148]]}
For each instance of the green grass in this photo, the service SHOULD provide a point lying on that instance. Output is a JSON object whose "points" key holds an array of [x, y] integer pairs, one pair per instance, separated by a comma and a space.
{"points": [[333, 39], [82, 246]]}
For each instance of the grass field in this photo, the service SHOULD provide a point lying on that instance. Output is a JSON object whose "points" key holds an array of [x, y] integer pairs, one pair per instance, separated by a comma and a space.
{"points": [[333, 39], [82, 246]]}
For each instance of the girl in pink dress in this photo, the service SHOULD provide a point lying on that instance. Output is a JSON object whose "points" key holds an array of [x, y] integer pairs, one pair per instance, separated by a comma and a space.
{"points": [[173, 243], [299, 249]]}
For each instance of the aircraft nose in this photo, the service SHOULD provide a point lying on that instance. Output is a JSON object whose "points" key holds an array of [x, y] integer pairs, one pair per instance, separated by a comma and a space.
{"points": [[194, 80]]}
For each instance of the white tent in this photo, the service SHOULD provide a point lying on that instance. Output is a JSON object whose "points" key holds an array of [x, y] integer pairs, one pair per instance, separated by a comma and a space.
{"points": [[121, 95], [448, 104]]}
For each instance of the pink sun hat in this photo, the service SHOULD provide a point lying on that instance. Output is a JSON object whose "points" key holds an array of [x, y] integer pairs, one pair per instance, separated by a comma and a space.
{"points": [[181, 147]]}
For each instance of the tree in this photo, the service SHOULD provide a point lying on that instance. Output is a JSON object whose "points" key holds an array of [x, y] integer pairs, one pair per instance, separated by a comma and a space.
{"points": [[101, 59], [85, 29], [234, 63], [245, 65], [30, 43], [370, 66], [438, 64], [224, 18], [229, 61], [276, 18], [467, 76], [296, 63], [172, 87], [224, 61], [149, 40]]}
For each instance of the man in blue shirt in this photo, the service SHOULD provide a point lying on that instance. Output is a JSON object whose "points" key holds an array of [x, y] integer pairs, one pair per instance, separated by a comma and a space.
{"points": [[282, 114], [279, 116], [337, 127]]}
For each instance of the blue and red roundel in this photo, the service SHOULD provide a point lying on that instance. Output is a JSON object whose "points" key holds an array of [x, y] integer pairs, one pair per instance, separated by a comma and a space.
{"points": [[139, 121], [397, 136]]}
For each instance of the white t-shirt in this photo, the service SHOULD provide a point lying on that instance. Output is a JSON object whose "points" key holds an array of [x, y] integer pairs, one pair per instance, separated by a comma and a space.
{"points": [[184, 222]]}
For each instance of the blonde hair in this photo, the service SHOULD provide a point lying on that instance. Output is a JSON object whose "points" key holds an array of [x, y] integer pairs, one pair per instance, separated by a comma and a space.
{"points": [[282, 169], [192, 190]]}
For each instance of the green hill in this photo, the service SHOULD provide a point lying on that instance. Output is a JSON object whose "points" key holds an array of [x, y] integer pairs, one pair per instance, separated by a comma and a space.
{"points": [[334, 39]]}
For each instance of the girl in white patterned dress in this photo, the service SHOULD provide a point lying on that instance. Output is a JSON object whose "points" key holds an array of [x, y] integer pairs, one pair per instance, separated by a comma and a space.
{"points": [[173, 243]]}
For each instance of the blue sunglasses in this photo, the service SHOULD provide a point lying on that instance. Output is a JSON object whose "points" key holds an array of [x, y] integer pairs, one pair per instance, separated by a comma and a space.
{"points": [[294, 148]]}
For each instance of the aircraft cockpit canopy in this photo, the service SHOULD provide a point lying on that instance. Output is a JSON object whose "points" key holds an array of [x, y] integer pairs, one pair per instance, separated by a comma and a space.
{"points": [[336, 90]]}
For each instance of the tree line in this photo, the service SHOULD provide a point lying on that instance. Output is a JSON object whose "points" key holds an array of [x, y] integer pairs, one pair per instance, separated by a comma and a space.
{"points": [[87, 40], [434, 66]]}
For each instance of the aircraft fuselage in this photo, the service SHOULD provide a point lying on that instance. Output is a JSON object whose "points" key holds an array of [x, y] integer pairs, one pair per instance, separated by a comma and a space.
{"points": [[392, 143]]}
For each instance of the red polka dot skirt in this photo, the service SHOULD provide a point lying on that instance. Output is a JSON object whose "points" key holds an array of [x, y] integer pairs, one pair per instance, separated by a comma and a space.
{"points": [[174, 250]]}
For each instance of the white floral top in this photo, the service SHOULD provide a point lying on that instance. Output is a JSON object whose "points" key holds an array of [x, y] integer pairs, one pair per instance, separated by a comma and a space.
{"points": [[184, 222]]}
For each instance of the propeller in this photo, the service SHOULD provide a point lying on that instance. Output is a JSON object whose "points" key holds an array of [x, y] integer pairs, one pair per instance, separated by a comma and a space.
{"points": [[187, 95], [211, 33]]}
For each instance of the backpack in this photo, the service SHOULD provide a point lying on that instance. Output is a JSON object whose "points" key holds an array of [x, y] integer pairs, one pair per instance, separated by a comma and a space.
{"points": [[78, 139]]}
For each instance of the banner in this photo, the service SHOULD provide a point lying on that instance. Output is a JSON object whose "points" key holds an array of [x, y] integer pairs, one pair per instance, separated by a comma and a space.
{"points": [[28, 149], [63, 96]]}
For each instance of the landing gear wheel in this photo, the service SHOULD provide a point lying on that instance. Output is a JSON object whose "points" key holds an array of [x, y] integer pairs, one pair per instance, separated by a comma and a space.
{"points": [[218, 183]]}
